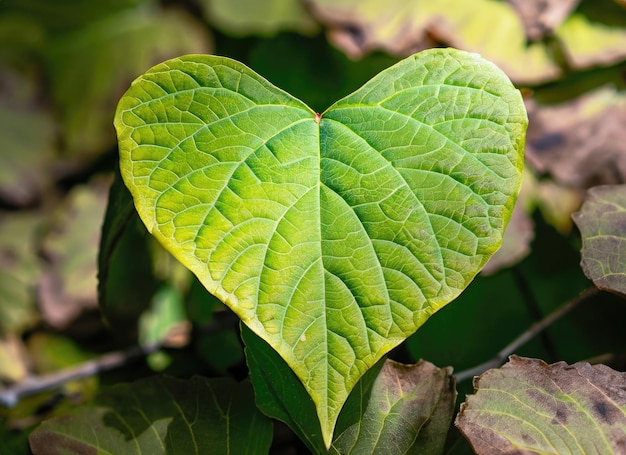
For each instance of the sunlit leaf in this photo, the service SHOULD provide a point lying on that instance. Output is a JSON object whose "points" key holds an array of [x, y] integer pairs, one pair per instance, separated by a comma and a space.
{"points": [[528, 406], [588, 43], [13, 360], [311, 70], [520, 231], [515, 244], [602, 224], [251, 17], [321, 231], [161, 415], [489, 27]]}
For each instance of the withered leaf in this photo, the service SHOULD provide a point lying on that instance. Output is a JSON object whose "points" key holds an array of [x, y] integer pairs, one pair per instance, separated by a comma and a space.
{"points": [[542, 17], [402, 28], [582, 142], [528, 406], [602, 223], [69, 284]]}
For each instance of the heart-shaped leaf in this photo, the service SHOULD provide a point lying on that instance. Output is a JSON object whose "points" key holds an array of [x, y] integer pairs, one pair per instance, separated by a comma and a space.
{"points": [[333, 236]]}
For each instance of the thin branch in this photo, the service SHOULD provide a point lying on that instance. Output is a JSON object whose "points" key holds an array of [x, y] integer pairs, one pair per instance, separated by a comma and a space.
{"points": [[525, 337], [10, 396]]}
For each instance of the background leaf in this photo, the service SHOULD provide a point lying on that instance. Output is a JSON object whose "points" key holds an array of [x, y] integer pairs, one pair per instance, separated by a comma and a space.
{"points": [[279, 393], [20, 270], [404, 27], [70, 245], [27, 135], [249, 17], [528, 406], [161, 415], [602, 222], [580, 142], [408, 410], [139, 38], [378, 217], [589, 40]]}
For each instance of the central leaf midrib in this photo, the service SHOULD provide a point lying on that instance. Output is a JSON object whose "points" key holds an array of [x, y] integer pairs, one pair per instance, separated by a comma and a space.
{"points": [[405, 183]]}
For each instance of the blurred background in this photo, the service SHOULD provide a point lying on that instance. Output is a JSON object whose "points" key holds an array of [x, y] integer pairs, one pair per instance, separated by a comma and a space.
{"points": [[65, 64]]}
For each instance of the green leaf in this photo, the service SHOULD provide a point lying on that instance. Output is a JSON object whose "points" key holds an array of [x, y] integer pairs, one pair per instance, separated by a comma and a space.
{"points": [[278, 392], [89, 57], [588, 43], [161, 415], [407, 411], [249, 17], [20, 271], [333, 236], [395, 408], [527, 406], [602, 223], [125, 279]]}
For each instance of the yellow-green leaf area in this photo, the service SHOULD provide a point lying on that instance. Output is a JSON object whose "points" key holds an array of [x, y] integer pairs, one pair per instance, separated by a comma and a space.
{"points": [[333, 236]]}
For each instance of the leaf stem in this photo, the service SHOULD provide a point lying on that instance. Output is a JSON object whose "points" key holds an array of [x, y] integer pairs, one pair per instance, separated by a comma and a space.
{"points": [[10, 396], [526, 336]]}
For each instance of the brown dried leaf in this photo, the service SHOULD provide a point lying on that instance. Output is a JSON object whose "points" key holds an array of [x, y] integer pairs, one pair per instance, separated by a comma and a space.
{"points": [[27, 136], [71, 246], [602, 223], [528, 406], [581, 143], [542, 17]]}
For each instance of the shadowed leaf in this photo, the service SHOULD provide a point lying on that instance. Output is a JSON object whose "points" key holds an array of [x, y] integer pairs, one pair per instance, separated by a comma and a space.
{"points": [[527, 406], [580, 142], [161, 415], [101, 58], [602, 224], [408, 410]]}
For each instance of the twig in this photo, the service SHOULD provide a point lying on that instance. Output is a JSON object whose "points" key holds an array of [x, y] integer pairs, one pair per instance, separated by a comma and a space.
{"points": [[10, 396], [526, 336]]}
